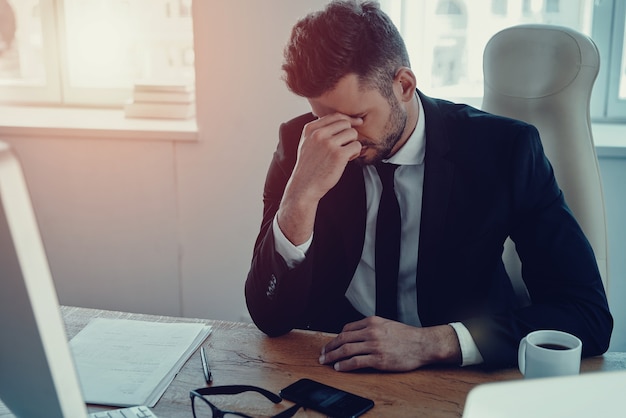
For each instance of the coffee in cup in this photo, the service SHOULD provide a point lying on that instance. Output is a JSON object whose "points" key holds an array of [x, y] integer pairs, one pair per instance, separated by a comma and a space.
{"points": [[547, 353]]}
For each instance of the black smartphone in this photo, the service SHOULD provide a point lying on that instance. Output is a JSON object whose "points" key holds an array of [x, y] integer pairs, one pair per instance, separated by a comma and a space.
{"points": [[326, 399]]}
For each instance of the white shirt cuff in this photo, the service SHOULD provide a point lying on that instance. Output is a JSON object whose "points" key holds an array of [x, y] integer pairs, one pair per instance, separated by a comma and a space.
{"points": [[469, 350], [292, 254]]}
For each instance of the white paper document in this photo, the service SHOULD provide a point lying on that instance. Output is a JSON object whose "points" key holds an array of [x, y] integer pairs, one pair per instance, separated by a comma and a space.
{"points": [[123, 362]]}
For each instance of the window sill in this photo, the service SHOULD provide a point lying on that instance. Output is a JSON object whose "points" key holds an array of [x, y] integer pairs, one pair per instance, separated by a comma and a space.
{"points": [[111, 124], [609, 139], [91, 123]]}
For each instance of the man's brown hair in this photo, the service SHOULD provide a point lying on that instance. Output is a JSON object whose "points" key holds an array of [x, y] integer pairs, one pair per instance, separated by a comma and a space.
{"points": [[346, 37]]}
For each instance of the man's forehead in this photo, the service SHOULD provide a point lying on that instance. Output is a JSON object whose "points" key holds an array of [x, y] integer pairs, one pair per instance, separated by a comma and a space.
{"points": [[347, 97], [319, 110]]}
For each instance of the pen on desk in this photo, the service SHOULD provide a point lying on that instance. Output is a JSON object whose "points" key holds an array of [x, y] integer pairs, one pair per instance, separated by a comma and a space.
{"points": [[205, 367]]}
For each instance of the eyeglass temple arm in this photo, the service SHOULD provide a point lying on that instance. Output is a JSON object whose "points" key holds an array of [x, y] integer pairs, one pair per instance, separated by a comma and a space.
{"points": [[235, 389]]}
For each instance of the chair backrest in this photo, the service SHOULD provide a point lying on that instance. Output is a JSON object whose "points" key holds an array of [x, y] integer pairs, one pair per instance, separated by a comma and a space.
{"points": [[543, 75]]}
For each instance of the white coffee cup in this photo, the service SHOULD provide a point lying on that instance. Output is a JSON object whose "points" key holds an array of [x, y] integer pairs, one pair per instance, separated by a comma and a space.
{"points": [[547, 353]]}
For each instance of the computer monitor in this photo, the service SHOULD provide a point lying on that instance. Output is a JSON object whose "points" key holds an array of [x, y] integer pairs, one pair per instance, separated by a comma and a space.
{"points": [[37, 373], [597, 394]]}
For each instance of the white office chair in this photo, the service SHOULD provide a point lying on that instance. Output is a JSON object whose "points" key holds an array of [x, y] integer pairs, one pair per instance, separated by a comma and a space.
{"points": [[544, 75]]}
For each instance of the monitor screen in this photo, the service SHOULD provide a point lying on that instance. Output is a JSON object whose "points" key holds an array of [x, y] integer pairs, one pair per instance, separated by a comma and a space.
{"points": [[37, 373]]}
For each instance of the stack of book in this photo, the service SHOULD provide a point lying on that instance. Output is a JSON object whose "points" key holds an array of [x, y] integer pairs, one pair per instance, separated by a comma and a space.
{"points": [[161, 100]]}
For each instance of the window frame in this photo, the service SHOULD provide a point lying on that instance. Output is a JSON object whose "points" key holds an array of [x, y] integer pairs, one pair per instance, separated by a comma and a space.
{"points": [[57, 89], [608, 34], [81, 96], [607, 31], [50, 91]]}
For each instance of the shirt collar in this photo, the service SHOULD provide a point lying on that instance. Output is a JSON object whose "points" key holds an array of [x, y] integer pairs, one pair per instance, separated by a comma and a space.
{"points": [[413, 151]]}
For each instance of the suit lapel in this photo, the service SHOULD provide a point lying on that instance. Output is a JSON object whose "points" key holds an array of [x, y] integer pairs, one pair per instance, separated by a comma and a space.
{"points": [[438, 177]]}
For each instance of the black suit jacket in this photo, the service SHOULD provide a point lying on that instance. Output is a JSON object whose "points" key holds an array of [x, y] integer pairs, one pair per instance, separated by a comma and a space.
{"points": [[486, 178]]}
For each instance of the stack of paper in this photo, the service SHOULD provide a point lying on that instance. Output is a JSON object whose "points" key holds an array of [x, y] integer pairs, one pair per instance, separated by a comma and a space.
{"points": [[161, 100], [123, 362]]}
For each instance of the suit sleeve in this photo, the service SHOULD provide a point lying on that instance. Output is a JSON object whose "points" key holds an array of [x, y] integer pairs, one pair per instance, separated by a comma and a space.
{"points": [[276, 295], [558, 266]]}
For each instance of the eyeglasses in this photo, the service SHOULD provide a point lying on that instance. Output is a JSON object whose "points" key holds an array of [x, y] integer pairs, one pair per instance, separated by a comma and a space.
{"points": [[208, 410]]}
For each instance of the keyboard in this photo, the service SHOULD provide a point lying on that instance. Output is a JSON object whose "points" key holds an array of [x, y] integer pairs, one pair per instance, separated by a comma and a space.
{"points": [[130, 412]]}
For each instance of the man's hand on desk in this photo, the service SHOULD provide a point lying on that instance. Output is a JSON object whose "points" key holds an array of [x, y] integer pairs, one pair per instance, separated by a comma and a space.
{"points": [[388, 345]]}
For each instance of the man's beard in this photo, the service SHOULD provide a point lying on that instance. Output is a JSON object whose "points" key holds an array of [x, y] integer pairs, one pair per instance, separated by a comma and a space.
{"points": [[393, 132]]}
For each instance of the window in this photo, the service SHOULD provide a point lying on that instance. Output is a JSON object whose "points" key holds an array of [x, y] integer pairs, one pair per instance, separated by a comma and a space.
{"points": [[552, 6], [498, 7], [446, 39], [622, 77], [449, 7], [609, 99], [91, 52]]}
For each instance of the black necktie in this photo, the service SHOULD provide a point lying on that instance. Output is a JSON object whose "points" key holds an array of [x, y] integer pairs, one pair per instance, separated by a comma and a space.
{"points": [[387, 245]]}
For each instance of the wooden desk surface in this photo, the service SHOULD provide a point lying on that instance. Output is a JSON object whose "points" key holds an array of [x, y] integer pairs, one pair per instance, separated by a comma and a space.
{"points": [[239, 353]]}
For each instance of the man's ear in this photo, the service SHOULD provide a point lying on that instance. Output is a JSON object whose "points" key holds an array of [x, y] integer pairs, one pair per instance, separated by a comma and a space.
{"points": [[405, 84]]}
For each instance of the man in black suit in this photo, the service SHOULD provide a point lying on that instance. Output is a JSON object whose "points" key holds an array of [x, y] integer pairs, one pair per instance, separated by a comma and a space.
{"points": [[464, 181]]}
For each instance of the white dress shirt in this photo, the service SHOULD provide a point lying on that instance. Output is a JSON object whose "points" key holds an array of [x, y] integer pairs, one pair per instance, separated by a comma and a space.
{"points": [[408, 182]]}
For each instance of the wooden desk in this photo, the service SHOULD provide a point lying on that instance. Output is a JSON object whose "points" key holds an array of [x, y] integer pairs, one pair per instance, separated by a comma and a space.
{"points": [[241, 354]]}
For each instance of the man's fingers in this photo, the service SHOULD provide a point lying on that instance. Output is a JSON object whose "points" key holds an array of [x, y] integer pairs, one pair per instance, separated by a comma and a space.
{"points": [[352, 356], [352, 332], [360, 324], [335, 117], [337, 126], [353, 149], [355, 363], [346, 337], [382, 344], [338, 133], [344, 351]]}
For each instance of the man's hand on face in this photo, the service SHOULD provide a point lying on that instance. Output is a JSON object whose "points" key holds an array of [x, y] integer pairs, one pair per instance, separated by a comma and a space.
{"points": [[392, 346], [326, 146]]}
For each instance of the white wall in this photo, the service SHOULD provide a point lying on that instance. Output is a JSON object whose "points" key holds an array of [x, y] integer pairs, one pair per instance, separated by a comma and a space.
{"points": [[168, 228], [107, 213], [220, 179]]}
